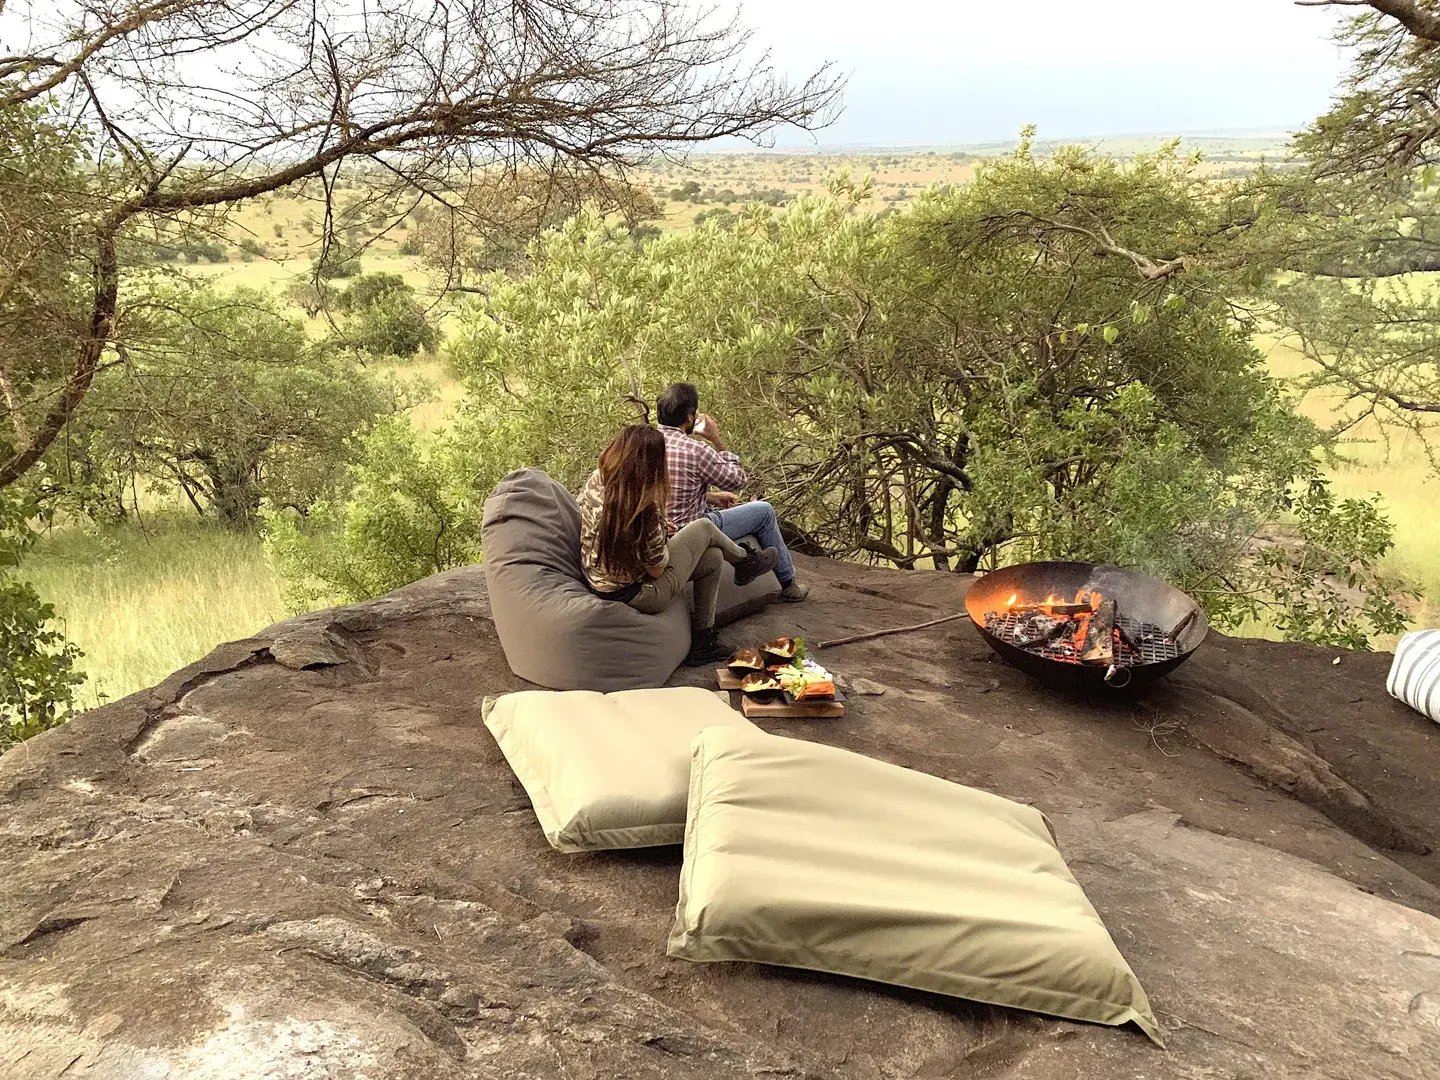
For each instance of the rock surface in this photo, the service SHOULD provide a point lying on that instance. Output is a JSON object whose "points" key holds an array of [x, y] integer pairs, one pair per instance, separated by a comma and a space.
{"points": [[305, 857]]}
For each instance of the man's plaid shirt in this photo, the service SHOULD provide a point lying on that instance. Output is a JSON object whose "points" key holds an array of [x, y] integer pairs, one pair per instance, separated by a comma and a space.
{"points": [[694, 465]]}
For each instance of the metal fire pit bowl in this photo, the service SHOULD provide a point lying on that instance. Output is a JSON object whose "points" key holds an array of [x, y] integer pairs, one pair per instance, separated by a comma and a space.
{"points": [[1139, 600]]}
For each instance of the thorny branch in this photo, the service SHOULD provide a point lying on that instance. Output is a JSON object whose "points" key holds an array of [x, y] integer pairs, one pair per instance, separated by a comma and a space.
{"points": [[1408, 13]]}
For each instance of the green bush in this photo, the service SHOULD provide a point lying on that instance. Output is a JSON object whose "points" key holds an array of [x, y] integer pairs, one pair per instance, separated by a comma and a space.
{"points": [[413, 508], [722, 217], [38, 675], [393, 325], [368, 288], [384, 318], [347, 266]]}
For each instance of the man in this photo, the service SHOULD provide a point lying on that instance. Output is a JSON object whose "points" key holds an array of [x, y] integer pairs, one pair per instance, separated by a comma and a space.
{"points": [[696, 458]]}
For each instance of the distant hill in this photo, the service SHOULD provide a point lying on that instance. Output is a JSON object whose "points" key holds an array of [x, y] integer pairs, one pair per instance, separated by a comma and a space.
{"points": [[1244, 144]]}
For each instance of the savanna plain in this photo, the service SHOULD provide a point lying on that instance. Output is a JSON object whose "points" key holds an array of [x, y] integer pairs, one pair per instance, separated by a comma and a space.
{"points": [[160, 590]]}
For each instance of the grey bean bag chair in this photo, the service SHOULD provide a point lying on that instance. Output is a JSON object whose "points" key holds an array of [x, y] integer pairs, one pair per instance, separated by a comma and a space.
{"points": [[554, 630]]}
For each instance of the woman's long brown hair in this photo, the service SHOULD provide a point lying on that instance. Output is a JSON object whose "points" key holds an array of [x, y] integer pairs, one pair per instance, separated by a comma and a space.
{"points": [[637, 494]]}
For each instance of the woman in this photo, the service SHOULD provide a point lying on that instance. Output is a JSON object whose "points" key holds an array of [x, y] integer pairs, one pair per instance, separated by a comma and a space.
{"points": [[626, 556]]}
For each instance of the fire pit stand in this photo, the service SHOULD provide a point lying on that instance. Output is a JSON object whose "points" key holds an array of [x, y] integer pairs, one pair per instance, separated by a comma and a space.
{"points": [[1045, 618]]}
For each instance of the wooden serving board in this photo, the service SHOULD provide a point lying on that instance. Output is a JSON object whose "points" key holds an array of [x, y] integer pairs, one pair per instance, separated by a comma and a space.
{"points": [[782, 709], [819, 710], [726, 679]]}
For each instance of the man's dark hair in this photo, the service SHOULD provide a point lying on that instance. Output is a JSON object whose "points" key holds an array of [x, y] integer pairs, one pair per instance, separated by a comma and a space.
{"points": [[674, 406]]}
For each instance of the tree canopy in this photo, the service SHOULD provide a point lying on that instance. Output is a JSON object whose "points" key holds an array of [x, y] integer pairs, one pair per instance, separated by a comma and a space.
{"points": [[992, 374], [1357, 228], [227, 398]]}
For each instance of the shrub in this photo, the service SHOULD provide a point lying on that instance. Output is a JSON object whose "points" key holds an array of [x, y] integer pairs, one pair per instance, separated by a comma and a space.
{"points": [[38, 675], [343, 266], [393, 324], [413, 508], [722, 217], [368, 288]]}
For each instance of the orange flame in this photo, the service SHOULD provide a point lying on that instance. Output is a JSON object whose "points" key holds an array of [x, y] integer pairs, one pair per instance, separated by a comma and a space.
{"points": [[1053, 604]]}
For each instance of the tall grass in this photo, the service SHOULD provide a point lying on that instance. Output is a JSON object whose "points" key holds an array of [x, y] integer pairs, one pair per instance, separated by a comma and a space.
{"points": [[144, 599], [436, 413], [142, 602]]}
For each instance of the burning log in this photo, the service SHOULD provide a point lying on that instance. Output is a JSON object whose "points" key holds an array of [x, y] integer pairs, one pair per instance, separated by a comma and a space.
{"points": [[1057, 609], [1099, 642], [1049, 616], [1181, 626], [1048, 632], [1089, 629]]}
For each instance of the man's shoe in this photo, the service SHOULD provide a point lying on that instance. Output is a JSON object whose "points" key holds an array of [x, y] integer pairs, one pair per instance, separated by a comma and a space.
{"points": [[794, 593], [707, 648], [754, 564]]}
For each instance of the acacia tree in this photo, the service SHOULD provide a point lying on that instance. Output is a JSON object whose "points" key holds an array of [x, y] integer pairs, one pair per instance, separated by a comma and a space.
{"points": [[993, 374], [1362, 217], [498, 215], [187, 107], [227, 399]]}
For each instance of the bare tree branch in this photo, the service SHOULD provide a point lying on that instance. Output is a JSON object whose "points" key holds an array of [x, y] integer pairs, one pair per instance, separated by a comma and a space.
{"points": [[1148, 268], [197, 105]]}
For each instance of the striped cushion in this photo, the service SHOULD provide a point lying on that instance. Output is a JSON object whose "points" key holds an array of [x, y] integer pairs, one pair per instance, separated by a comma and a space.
{"points": [[1415, 674]]}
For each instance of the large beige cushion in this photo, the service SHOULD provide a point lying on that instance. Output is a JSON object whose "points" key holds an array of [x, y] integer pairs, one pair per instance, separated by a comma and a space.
{"points": [[812, 857], [606, 770]]}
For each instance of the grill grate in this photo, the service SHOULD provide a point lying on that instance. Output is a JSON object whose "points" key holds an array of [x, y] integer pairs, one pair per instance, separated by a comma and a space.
{"points": [[1136, 642]]}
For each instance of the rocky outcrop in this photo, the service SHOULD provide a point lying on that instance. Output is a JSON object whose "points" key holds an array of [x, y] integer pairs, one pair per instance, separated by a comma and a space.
{"points": [[305, 857]]}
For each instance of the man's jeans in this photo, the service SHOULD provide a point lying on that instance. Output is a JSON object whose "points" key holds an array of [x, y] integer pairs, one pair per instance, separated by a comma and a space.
{"points": [[757, 518]]}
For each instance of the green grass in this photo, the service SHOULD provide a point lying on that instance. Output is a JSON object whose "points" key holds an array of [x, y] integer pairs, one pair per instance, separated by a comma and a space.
{"points": [[436, 413], [142, 602]]}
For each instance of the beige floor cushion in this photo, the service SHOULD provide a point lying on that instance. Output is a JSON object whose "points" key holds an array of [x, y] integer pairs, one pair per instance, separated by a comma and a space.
{"points": [[811, 857], [606, 770]]}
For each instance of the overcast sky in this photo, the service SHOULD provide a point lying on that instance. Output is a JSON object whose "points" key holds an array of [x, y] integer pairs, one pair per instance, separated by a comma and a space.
{"points": [[963, 71]]}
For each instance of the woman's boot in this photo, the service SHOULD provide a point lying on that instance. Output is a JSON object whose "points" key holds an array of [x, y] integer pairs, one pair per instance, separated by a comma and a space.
{"points": [[707, 648], [754, 564]]}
